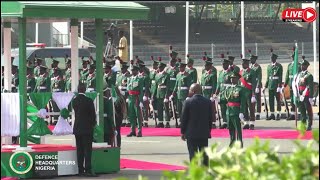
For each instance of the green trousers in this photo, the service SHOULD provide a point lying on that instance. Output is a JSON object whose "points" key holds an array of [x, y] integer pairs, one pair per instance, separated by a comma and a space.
{"points": [[235, 130], [273, 94], [258, 103], [293, 106], [305, 108], [250, 110], [161, 106], [223, 107], [180, 103], [134, 113]]}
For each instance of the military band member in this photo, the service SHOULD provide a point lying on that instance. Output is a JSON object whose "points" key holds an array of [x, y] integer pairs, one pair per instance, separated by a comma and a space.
{"points": [[274, 84], [162, 81], [91, 79], [109, 76], [15, 78], [222, 83], [135, 101], [181, 88], [258, 71], [57, 82], [305, 83], [143, 74], [235, 97], [248, 81], [191, 70], [43, 80], [288, 82], [84, 72], [209, 83]]}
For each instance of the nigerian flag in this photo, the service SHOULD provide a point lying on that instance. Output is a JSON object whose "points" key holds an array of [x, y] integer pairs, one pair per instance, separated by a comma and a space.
{"points": [[114, 93], [295, 74]]}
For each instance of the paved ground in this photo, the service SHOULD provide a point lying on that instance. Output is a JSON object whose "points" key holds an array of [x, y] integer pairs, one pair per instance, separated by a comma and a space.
{"points": [[172, 150]]}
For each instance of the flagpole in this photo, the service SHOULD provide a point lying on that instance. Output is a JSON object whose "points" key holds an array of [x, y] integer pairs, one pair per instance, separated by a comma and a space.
{"points": [[295, 101]]}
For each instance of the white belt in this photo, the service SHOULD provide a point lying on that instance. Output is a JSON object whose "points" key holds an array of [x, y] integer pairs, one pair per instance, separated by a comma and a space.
{"points": [[42, 87], [90, 89], [290, 76], [275, 77], [153, 81], [184, 88], [162, 87], [173, 79], [55, 90], [226, 85], [122, 87], [207, 87], [28, 87], [144, 88]]}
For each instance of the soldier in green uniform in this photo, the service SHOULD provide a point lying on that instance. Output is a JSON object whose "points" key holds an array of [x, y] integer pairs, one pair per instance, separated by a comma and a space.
{"points": [[145, 77], [235, 97], [121, 83], [57, 81], [31, 81], [248, 81], [153, 86], [43, 82], [135, 101], [84, 72], [258, 71], [181, 88], [54, 66], [143, 68], [109, 126], [162, 81], [191, 70], [15, 78], [36, 70], [222, 83], [288, 82], [274, 84], [67, 76], [172, 71], [209, 83], [232, 66], [305, 85], [91, 79], [109, 76]]}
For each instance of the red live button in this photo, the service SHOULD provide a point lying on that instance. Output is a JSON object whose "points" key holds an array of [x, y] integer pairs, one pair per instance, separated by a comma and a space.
{"points": [[309, 15]]}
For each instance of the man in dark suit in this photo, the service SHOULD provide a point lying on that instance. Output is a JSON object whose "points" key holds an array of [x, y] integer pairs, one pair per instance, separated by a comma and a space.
{"points": [[196, 121], [85, 121]]}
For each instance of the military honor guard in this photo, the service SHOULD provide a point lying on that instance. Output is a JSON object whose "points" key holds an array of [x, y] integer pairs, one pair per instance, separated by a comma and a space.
{"points": [[223, 82], [258, 71], [145, 78], [67, 76], [162, 81], [232, 66], [135, 101], [43, 81], [57, 81], [191, 70], [248, 81], [274, 85], [153, 87], [235, 97], [36, 70], [305, 95], [84, 72], [15, 78], [91, 79], [109, 76], [54, 67]]}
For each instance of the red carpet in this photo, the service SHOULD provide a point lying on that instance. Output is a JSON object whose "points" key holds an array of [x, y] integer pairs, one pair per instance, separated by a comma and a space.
{"points": [[144, 165], [223, 133]]}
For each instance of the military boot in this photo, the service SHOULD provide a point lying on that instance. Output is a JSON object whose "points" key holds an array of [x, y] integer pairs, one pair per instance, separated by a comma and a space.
{"points": [[131, 134], [271, 117], [251, 127], [214, 126], [291, 117], [257, 117], [167, 125], [160, 125], [139, 134], [224, 126], [278, 117], [246, 126]]}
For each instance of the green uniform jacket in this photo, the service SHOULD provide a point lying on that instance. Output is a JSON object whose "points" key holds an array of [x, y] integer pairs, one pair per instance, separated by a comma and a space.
{"points": [[67, 74], [193, 73], [274, 76], [209, 82], [248, 76], [146, 83], [122, 81], [31, 83], [258, 71], [41, 82], [57, 84], [289, 74], [172, 77], [110, 79], [136, 84], [153, 87], [235, 94], [51, 72], [235, 68], [223, 79], [83, 75], [15, 82], [183, 84], [68, 85], [306, 81], [162, 81], [91, 81]]}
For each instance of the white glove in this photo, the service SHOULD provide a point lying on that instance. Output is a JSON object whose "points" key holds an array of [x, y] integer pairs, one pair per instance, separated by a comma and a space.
{"points": [[211, 99], [115, 133], [278, 89], [187, 98], [127, 100], [301, 98], [253, 99], [145, 98], [141, 104], [123, 93], [171, 97], [311, 100], [257, 90], [217, 99], [166, 100], [241, 116]]}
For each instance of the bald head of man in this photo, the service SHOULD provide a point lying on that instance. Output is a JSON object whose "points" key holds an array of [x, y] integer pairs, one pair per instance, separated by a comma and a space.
{"points": [[195, 89]]}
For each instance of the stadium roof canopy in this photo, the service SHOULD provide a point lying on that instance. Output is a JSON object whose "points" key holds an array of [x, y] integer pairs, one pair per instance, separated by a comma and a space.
{"points": [[53, 11]]}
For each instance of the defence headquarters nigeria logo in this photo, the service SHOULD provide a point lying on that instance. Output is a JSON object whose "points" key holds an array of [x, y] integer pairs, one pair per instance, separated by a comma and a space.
{"points": [[21, 162]]}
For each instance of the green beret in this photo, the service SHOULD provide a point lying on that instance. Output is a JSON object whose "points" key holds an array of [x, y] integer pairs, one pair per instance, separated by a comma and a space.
{"points": [[253, 57], [55, 61], [85, 61], [181, 64], [106, 65], [92, 66], [231, 58], [68, 61], [174, 54], [43, 67], [208, 63], [273, 56], [305, 62], [135, 67], [162, 64], [224, 61], [246, 60], [190, 60]]}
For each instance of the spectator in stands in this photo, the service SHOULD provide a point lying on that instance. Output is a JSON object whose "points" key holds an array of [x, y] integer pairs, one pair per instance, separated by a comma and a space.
{"points": [[123, 47]]}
